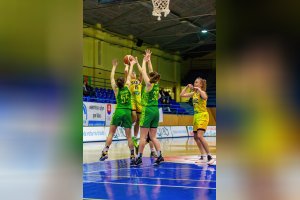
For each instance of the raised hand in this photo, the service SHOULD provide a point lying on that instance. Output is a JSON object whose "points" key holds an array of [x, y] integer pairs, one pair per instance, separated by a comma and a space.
{"points": [[197, 88], [190, 86], [146, 57], [133, 61], [114, 62], [148, 54]]}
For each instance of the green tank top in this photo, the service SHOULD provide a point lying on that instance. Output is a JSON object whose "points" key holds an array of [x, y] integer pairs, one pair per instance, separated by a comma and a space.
{"points": [[150, 98], [124, 98]]}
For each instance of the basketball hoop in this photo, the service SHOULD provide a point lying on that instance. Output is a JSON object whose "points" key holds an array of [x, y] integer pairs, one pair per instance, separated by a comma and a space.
{"points": [[159, 7]]}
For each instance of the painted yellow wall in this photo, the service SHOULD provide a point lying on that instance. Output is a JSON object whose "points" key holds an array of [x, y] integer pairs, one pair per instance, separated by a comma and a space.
{"points": [[101, 47]]}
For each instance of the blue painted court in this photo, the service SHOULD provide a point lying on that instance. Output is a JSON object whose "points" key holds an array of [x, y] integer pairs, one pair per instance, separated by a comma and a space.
{"points": [[115, 179]]}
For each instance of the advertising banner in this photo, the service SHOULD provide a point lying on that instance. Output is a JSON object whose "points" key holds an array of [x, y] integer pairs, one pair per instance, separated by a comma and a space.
{"points": [[93, 114], [210, 131], [110, 109], [179, 131], [164, 132], [93, 134]]}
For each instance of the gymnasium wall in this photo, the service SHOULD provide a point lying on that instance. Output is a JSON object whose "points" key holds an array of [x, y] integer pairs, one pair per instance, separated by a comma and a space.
{"points": [[200, 63], [100, 47], [187, 120]]}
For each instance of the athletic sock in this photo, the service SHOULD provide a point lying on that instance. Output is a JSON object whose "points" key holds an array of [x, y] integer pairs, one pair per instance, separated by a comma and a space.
{"points": [[105, 149], [153, 150], [131, 151], [158, 153], [140, 155]]}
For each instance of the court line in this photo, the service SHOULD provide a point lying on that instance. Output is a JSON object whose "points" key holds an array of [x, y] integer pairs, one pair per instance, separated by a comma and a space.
{"points": [[105, 170], [185, 168], [117, 169], [93, 199], [126, 159], [156, 178], [176, 186]]}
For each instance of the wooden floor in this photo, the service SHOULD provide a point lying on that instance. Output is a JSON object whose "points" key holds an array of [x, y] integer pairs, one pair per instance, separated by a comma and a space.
{"points": [[170, 147], [178, 177]]}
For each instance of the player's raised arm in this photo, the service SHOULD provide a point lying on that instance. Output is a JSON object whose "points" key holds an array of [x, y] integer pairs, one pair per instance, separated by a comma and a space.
{"points": [[140, 69], [126, 71], [144, 72], [132, 62], [202, 93], [148, 54], [184, 92], [112, 75]]}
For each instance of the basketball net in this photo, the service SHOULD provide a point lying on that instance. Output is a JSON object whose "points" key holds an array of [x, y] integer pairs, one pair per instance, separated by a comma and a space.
{"points": [[159, 7]]}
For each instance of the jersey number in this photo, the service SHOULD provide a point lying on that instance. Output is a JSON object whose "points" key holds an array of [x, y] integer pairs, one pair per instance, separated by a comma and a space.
{"points": [[124, 98]]}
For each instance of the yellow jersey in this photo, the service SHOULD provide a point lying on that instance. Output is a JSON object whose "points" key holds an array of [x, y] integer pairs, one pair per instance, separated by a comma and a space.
{"points": [[136, 88], [199, 103]]}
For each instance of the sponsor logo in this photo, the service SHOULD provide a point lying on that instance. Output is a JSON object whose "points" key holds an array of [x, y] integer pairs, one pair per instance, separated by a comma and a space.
{"points": [[95, 107], [108, 109], [163, 132], [97, 116], [84, 112], [120, 133]]}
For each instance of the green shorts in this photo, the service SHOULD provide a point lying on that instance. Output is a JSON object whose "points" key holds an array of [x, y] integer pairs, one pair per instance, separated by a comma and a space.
{"points": [[149, 117], [122, 117]]}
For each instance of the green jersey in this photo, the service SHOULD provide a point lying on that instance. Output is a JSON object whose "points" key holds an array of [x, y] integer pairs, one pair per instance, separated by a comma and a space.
{"points": [[124, 98], [151, 98]]}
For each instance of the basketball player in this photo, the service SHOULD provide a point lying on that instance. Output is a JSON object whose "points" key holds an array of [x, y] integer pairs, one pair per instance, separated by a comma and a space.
{"points": [[201, 116], [150, 113], [122, 114], [136, 96]]}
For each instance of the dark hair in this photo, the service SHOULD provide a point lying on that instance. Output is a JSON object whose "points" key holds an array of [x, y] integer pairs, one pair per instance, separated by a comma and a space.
{"points": [[154, 77], [120, 82]]}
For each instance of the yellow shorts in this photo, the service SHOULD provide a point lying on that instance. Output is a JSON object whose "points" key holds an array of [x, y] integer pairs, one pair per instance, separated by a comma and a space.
{"points": [[136, 105], [200, 121]]}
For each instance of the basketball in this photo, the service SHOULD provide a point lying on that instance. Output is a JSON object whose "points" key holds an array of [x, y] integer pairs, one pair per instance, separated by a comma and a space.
{"points": [[127, 59]]}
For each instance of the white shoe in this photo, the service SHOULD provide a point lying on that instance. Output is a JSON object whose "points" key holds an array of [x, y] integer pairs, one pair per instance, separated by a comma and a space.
{"points": [[212, 162]]}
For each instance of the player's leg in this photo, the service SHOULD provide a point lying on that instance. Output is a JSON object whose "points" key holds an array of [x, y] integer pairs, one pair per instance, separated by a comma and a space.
{"points": [[112, 131], [198, 124], [130, 145], [203, 141], [144, 129], [134, 120], [127, 124], [137, 124], [200, 147], [143, 137], [136, 132], [153, 132], [156, 143], [152, 150]]}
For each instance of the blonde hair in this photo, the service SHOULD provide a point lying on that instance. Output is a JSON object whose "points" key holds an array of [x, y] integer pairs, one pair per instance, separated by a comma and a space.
{"points": [[203, 83]]}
